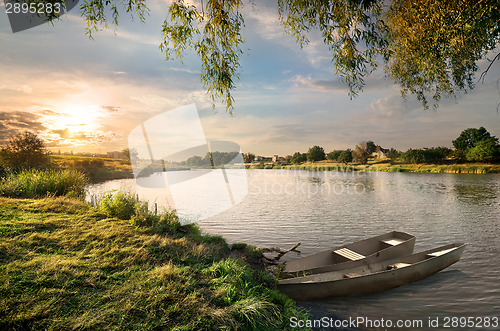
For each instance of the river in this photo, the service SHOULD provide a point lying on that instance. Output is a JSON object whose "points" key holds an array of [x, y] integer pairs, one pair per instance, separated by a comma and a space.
{"points": [[328, 209]]}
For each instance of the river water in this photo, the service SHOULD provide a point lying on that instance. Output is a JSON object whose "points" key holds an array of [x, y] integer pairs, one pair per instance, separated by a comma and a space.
{"points": [[327, 209]]}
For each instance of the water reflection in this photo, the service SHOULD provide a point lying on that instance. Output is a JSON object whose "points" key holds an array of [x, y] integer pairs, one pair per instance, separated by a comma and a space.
{"points": [[473, 193]]}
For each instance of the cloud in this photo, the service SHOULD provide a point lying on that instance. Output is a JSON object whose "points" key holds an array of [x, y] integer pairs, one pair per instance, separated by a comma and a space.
{"points": [[14, 122], [62, 133], [16, 88], [111, 109], [308, 82]]}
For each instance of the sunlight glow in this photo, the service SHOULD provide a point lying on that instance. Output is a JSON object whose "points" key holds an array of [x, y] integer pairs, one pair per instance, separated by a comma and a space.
{"points": [[78, 118]]}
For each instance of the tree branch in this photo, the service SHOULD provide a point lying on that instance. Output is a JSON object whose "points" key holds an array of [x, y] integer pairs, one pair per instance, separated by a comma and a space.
{"points": [[483, 74]]}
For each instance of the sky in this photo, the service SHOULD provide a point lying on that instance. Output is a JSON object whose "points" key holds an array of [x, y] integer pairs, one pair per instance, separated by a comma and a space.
{"points": [[88, 95]]}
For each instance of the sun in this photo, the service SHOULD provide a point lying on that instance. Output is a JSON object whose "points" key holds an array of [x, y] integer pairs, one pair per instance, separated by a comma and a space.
{"points": [[77, 118]]}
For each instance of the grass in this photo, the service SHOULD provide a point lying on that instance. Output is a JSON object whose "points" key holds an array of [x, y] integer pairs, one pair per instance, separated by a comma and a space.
{"points": [[67, 265], [387, 166], [40, 183], [97, 169]]}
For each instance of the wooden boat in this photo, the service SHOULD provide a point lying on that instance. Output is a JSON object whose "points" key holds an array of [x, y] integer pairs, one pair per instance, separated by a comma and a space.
{"points": [[372, 277], [383, 247]]}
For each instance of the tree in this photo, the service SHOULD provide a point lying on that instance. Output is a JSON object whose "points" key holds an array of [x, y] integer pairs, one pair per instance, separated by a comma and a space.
{"points": [[429, 48], [334, 155], [25, 150], [471, 138], [413, 156], [370, 147], [430, 155], [393, 154], [316, 153], [130, 155], [248, 157], [345, 156], [360, 154], [298, 158], [484, 151]]}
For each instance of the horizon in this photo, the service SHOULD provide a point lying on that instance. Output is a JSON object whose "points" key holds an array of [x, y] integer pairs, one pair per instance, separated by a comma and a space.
{"points": [[87, 95]]}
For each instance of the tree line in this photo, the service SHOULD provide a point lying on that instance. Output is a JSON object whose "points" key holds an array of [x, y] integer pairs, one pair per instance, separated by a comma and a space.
{"points": [[473, 145]]}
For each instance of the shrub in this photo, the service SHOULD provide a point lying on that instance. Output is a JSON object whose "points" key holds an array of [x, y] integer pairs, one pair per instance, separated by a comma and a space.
{"points": [[121, 205]]}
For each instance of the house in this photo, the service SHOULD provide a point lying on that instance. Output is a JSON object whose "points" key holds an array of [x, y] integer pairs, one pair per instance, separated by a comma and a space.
{"points": [[380, 153]]}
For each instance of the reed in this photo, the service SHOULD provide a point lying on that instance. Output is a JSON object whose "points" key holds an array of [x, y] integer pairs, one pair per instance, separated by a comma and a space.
{"points": [[40, 183]]}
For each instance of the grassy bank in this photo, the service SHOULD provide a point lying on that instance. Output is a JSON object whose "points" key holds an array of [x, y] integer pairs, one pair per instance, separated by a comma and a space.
{"points": [[67, 265], [35, 183], [97, 169], [464, 168]]}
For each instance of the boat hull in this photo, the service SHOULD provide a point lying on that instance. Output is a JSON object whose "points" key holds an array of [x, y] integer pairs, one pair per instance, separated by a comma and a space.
{"points": [[371, 250], [372, 278]]}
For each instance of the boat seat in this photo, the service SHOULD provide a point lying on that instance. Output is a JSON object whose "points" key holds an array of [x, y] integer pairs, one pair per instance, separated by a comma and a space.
{"points": [[393, 241], [348, 254], [439, 253], [397, 265], [351, 275]]}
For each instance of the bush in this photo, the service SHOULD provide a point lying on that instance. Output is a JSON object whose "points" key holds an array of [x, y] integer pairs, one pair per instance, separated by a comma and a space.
{"points": [[121, 205], [345, 156], [40, 183]]}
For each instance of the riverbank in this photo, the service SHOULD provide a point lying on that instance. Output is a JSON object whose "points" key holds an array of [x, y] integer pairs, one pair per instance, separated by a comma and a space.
{"points": [[463, 168], [66, 265], [97, 169]]}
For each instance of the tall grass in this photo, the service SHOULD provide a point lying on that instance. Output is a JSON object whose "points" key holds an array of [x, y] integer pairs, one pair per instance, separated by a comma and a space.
{"points": [[40, 183]]}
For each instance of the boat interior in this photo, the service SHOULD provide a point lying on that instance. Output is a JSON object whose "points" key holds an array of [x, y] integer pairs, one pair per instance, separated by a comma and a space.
{"points": [[382, 266]]}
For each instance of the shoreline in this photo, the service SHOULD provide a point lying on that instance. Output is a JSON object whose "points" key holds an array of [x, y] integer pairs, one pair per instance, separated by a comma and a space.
{"points": [[466, 168]]}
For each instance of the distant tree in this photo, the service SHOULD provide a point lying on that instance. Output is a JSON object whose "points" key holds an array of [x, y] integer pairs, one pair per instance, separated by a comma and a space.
{"points": [[360, 153], [130, 155], [334, 155], [431, 155], [315, 154], [393, 154], [248, 157], [370, 147], [345, 156], [194, 161], [24, 150], [470, 138], [298, 158], [440, 153], [484, 151], [413, 156]]}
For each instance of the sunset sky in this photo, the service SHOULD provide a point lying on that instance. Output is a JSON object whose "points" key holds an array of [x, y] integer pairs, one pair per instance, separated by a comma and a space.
{"points": [[88, 95]]}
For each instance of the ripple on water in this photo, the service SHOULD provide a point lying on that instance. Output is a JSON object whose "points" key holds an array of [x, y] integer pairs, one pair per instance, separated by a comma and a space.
{"points": [[321, 210]]}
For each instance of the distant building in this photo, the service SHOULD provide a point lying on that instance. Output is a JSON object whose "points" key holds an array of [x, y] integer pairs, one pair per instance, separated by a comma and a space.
{"points": [[257, 159], [380, 153], [114, 155]]}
